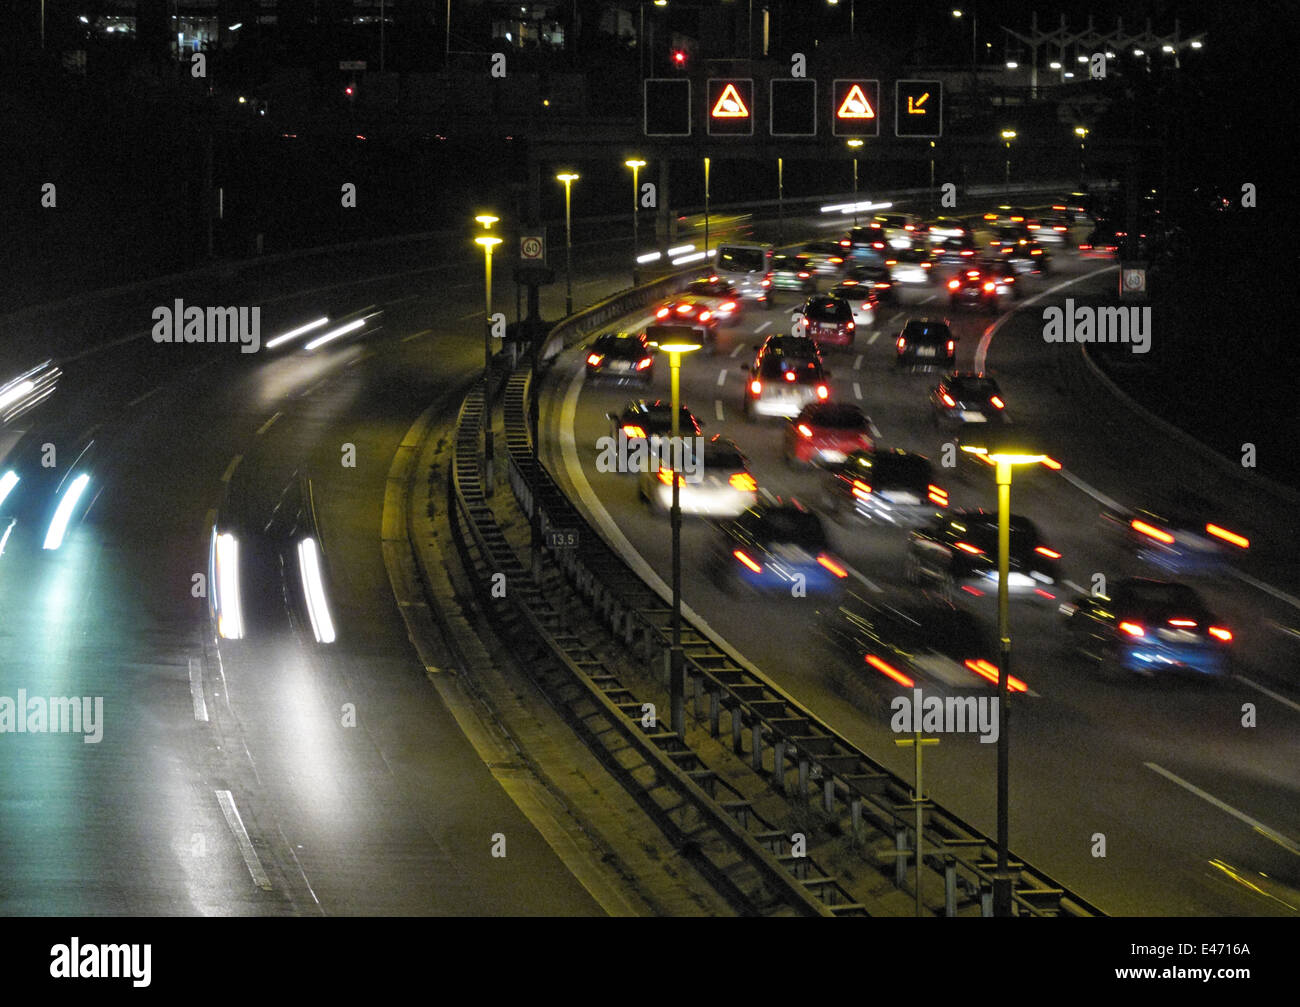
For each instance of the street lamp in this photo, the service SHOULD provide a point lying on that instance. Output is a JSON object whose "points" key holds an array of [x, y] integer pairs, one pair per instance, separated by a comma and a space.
{"points": [[853, 14], [488, 241], [568, 178], [974, 23], [854, 144], [1007, 136], [636, 165], [1082, 133], [1004, 456], [675, 348]]}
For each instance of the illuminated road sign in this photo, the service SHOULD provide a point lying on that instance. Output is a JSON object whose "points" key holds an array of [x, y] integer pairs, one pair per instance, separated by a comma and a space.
{"points": [[667, 106], [855, 107], [792, 110], [918, 108], [730, 107]]}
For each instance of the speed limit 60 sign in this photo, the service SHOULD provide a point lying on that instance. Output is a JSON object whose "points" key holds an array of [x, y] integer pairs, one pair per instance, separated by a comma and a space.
{"points": [[532, 247], [1133, 280]]}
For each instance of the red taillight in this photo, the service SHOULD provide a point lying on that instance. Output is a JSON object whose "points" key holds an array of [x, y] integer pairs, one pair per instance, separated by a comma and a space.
{"points": [[889, 671], [938, 496], [1228, 536], [989, 287], [662, 313], [743, 481], [804, 276], [595, 358], [705, 316], [823, 392], [954, 284], [844, 243], [1219, 633], [835, 260], [989, 670], [850, 326], [832, 566], [902, 343], [643, 363], [877, 244], [997, 403], [1132, 628], [728, 306], [1052, 464], [1084, 248], [1183, 623], [1042, 550], [789, 375], [951, 345], [666, 477], [967, 251], [908, 227], [747, 561], [685, 309], [755, 387], [804, 429], [948, 400], [1059, 227], [767, 281], [631, 430], [891, 262], [1151, 531], [974, 550], [860, 489]]}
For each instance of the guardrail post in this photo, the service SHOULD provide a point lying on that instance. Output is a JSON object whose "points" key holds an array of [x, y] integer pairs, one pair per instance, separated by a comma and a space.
{"points": [[649, 652], [855, 811], [778, 767], [803, 777], [986, 899], [715, 711], [668, 669], [698, 688], [828, 795], [737, 725], [756, 732], [901, 849], [949, 886]]}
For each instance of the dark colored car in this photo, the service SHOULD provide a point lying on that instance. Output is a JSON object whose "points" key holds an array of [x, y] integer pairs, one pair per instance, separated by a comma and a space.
{"points": [[926, 642], [874, 276], [792, 272], [826, 257], [828, 432], [956, 250], [776, 548], [889, 486], [1148, 627], [959, 551], [1102, 242], [1018, 246], [786, 375], [621, 357], [827, 320], [1180, 540], [926, 343], [641, 418], [869, 236], [962, 398]]}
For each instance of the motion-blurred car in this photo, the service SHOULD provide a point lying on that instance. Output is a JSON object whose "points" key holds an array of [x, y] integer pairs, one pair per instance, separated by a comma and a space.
{"points": [[25, 391], [1148, 627], [957, 250], [744, 265], [921, 642], [641, 419], [1102, 243], [690, 309], [900, 229], [1052, 226], [777, 548], [958, 550], [891, 486], [1025, 253], [925, 343], [965, 397], [721, 296], [866, 239], [623, 357], [786, 375], [825, 319], [725, 487], [1176, 540], [48, 499], [792, 272], [911, 267], [826, 257], [828, 432], [877, 278], [982, 288], [863, 301]]}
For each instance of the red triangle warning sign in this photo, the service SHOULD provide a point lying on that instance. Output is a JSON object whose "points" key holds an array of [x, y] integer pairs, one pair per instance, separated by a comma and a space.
{"points": [[855, 105], [730, 105]]}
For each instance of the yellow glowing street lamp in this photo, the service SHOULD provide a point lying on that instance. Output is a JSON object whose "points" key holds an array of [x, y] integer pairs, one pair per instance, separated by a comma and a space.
{"points": [[1007, 136], [1082, 133], [854, 144], [568, 178], [677, 346], [1004, 455], [488, 241], [636, 165]]}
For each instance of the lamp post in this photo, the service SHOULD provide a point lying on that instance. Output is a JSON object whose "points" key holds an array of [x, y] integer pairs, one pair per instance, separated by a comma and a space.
{"points": [[568, 178], [636, 165], [853, 14], [854, 144], [1082, 133], [488, 241], [707, 164], [1004, 459], [1007, 136], [676, 660]]}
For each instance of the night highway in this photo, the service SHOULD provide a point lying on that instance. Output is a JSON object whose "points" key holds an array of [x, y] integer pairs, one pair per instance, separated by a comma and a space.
{"points": [[395, 522]]}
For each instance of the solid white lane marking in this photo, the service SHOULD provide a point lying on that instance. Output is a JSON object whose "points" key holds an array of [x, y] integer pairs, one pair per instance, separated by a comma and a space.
{"points": [[230, 469], [717, 409], [196, 691], [722, 379], [857, 362], [1096, 494], [986, 339], [764, 327], [1073, 586], [140, 398], [417, 335], [1255, 824], [227, 802], [1246, 578], [1270, 693], [267, 425], [864, 580], [472, 314], [857, 390]]}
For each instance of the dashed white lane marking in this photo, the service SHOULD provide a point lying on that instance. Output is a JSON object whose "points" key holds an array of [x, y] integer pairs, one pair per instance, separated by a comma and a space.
{"points": [[227, 802], [472, 314], [857, 362], [722, 378], [196, 691], [417, 335], [140, 398], [736, 352], [717, 409], [230, 469], [861, 577], [857, 390], [874, 336], [929, 299], [267, 425], [1269, 692], [981, 352], [764, 327], [1255, 824], [1073, 586]]}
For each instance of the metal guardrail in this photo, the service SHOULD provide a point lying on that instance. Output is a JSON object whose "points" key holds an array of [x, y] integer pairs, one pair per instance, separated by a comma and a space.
{"points": [[784, 738]]}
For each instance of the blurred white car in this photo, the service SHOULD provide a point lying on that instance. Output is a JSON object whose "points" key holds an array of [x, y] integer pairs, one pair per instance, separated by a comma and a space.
{"points": [[724, 486]]}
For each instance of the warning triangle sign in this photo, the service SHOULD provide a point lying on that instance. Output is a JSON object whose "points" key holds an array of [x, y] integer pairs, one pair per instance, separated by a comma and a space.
{"points": [[855, 105], [730, 105]]}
